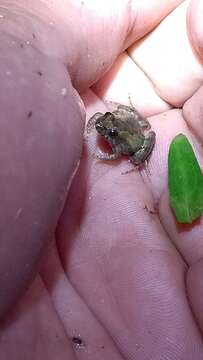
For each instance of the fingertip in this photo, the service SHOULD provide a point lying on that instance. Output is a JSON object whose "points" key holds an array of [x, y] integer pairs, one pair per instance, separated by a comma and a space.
{"points": [[194, 26], [194, 284]]}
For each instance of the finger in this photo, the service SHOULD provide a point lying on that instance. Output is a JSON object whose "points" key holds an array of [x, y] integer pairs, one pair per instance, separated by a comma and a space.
{"points": [[195, 31], [192, 111], [192, 108], [168, 59], [187, 238], [125, 82], [40, 145], [107, 28], [195, 290]]}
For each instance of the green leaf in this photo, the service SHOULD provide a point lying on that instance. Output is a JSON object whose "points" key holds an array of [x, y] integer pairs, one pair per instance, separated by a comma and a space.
{"points": [[185, 180]]}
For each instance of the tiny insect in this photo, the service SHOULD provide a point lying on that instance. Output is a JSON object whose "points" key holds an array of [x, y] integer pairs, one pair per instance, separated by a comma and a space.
{"points": [[124, 130]]}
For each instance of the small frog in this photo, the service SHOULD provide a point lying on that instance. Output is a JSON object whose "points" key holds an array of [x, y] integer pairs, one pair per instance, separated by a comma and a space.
{"points": [[124, 130]]}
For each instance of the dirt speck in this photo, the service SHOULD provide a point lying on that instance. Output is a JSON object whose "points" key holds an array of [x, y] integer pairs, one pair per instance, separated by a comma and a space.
{"points": [[78, 341], [151, 209], [29, 115]]}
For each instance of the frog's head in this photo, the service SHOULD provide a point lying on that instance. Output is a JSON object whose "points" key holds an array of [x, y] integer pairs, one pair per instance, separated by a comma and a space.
{"points": [[105, 126]]}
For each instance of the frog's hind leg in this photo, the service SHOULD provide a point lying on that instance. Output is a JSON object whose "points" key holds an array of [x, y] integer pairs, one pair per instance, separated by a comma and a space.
{"points": [[141, 155], [143, 122]]}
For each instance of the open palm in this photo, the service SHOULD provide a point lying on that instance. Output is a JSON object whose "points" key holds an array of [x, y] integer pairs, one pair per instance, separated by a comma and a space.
{"points": [[123, 279]]}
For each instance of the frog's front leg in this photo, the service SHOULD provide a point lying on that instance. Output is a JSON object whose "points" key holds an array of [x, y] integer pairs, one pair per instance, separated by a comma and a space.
{"points": [[91, 122], [141, 155]]}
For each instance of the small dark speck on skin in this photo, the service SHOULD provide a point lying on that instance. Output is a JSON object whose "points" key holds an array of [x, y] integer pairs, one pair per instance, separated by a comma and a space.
{"points": [[77, 340], [39, 73], [22, 45], [150, 210], [34, 36], [29, 115]]}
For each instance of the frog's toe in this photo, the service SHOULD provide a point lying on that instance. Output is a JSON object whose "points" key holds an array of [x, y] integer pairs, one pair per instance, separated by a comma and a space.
{"points": [[91, 122], [106, 156]]}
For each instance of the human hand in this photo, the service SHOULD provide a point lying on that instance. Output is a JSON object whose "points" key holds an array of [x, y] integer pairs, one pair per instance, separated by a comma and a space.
{"points": [[123, 287]]}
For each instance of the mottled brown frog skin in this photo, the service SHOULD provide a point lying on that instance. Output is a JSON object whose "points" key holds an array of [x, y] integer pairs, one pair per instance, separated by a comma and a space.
{"points": [[124, 129]]}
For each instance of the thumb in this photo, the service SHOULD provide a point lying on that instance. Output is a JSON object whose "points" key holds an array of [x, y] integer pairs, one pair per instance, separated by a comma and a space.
{"points": [[40, 146]]}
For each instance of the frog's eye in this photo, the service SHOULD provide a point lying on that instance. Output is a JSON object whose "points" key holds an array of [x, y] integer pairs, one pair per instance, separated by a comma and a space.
{"points": [[113, 132], [100, 128]]}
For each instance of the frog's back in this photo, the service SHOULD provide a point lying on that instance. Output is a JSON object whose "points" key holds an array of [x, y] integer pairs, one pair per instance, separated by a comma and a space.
{"points": [[128, 123]]}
